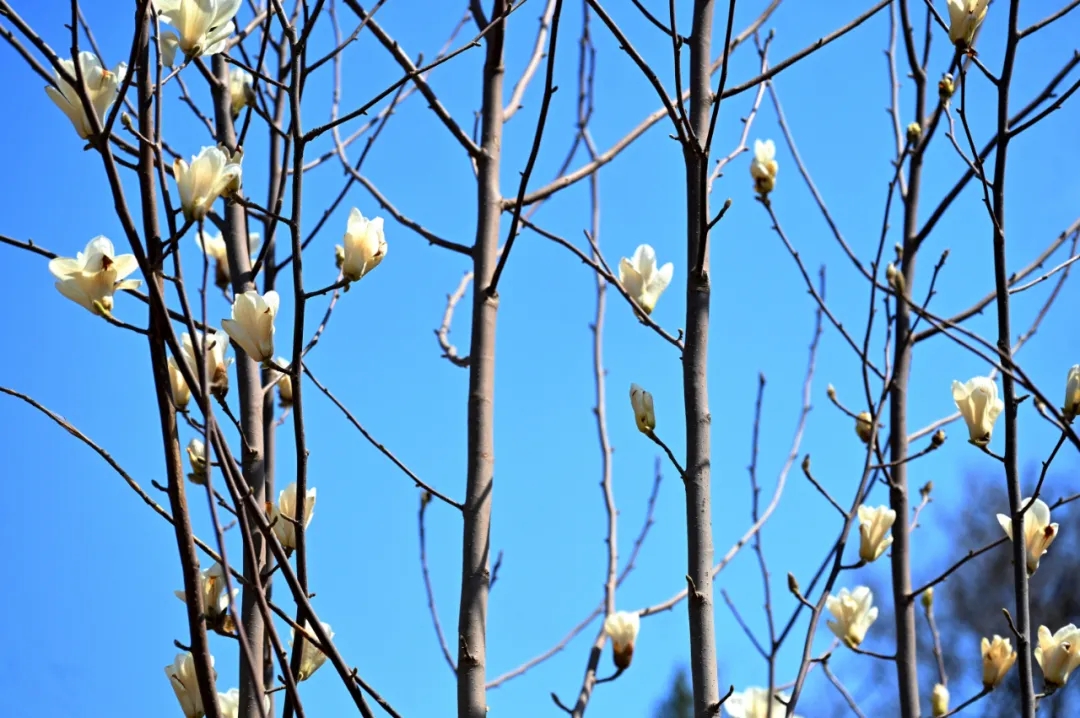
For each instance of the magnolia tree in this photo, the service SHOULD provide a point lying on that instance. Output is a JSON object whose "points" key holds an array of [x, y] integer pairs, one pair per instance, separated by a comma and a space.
{"points": [[222, 384]]}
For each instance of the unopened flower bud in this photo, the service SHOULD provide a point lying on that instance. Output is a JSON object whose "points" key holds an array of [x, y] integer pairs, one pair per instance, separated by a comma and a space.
{"points": [[928, 598], [642, 403], [622, 628], [938, 438], [831, 391], [793, 585], [914, 133], [895, 278], [939, 700], [864, 426], [946, 88]]}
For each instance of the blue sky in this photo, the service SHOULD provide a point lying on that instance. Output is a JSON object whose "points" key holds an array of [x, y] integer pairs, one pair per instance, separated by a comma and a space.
{"points": [[92, 609]]}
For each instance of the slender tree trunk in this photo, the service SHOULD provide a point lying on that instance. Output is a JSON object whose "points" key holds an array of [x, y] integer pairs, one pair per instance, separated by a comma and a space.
{"points": [[476, 546], [695, 376], [250, 399]]}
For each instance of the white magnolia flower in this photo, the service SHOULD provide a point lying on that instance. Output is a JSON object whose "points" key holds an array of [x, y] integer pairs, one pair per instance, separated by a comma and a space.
{"points": [[874, 524], [215, 598], [283, 515], [229, 703], [1058, 654], [754, 703], [1072, 394], [196, 451], [1039, 533], [213, 246], [310, 656], [217, 366], [764, 166], [252, 323], [998, 657], [622, 628], [980, 406], [94, 275], [939, 700], [240, 90], [211, 174], [364, 246], [284, 384], [185, 685], [181, 392], [202, 27], [642, 403], [642, 280], [854, 613], [102, 87], [965, 16]]}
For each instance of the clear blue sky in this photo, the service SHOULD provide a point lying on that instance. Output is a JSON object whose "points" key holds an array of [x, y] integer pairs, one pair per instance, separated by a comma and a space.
{"points": [[90, 606]]}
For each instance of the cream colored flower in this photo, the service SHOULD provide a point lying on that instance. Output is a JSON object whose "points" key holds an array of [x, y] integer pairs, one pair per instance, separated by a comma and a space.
{"points": [[310, 656], [283, 515], [94, 275], [622, 628], [754, 703], [240, 91], [764, 166], [939, 700], [202, 27], [854, 613], [217, 366], [1058, 654], [1072, 394], [229, 703], [102, 87], [252, 323], [364, 246], [181, 392], [980, 406], [998, 657], [642, 280], [211, 174], [213, 246], [196, 451], [874, 525], [965, 16], [181, 676], [284, 384], [864, 426], [212, 585], [642, 403], [1039, 533]]}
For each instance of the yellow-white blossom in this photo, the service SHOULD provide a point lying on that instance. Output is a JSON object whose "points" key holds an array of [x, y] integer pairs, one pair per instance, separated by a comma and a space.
{"points": [[102, 87], [642, 280], [212, 585], [874, 526], [181, 674], [1058, 654], [196, 451], [310, 656], [181, 392], [939, 700], [364, 246], [284, 384], [1039, 533], [980, 406], [965, 16], [212, 173], [202, 27], [764, 166], [854, 613], [754, 703], [642, 403], [252, 323], [998, 657], [94, 275], [283, 515], [1072, 394], [217, 366], [229, 703], [622, 628], [240, 90], [213, 246], [864, 426]]}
